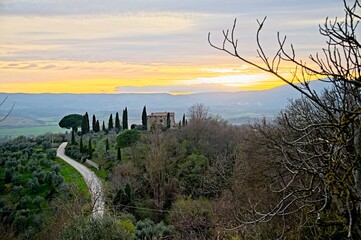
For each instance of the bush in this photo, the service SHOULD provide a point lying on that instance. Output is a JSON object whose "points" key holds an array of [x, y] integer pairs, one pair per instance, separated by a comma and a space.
{"points": [[128, 138], [192, 219], [147, 230], [96, 229], [33, 184], [37, 201], [21, 222], [51, 153]]}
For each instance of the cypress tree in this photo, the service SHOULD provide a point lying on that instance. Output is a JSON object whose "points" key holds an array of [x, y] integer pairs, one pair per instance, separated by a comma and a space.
{"points": [[97, 127], [184, 120], [107, 145], [81, 147], [117, 122], [128, 193], [90, 149], [144, 118], [168, 120], [83, 125], [94, 123], [87, 122], [72, 137], [125, 118], [103, 128], [110, 123], [119, 154]]}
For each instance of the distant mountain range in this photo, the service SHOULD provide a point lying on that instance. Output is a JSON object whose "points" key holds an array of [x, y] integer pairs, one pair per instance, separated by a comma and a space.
{"points": [[236, 107]]}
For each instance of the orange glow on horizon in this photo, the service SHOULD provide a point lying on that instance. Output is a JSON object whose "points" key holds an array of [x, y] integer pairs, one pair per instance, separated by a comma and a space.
{"points": [[112, 77]]}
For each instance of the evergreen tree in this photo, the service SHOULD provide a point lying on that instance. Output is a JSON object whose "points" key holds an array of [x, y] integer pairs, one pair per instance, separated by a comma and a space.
{"points": [[184, 120], [94, 123], [125, 118], [85, 124], [71, 121], [81, 147], [168, 120], [90, 149], [128, 193], [117, 122], [106, 145], [110, 123], [97, 126], [103, 128], [144, 118], [119, 154], [72, 137]]}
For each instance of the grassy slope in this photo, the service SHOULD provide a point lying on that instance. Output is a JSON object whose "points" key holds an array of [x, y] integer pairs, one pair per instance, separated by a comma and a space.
{"points": [[71, 175]]}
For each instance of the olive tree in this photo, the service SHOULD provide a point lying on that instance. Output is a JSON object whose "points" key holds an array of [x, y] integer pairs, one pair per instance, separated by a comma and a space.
{"points": [[317, 137], [128, 138]]}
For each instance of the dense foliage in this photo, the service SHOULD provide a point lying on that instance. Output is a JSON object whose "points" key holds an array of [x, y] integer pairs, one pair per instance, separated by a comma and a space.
{"points": [[73, 121], [204, 179], [29, 179]]}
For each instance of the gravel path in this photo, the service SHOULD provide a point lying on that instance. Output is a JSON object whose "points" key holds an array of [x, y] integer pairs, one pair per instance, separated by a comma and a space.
{"points": [[93, 182]]}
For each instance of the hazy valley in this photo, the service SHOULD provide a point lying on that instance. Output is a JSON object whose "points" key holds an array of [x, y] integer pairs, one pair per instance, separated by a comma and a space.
{"points": [[35, 114]]}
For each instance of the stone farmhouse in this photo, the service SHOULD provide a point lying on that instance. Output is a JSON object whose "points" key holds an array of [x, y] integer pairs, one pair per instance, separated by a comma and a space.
{"points": [[161, 119]]}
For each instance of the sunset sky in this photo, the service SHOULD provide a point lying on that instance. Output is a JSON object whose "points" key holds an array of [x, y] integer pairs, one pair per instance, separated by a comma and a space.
{"points": [[146, 46]]}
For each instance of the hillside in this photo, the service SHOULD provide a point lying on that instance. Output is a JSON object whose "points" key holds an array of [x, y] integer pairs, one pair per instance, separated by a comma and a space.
{"points": [[39, 113], [35, 106]]}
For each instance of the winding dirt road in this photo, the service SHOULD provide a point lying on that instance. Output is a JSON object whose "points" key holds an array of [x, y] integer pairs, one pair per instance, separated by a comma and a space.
{"points": [[93, 182]]}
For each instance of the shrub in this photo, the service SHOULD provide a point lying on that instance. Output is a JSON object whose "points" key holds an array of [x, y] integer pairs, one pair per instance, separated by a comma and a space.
{"points": [[147, 230], [192, 219], [94, 229]]}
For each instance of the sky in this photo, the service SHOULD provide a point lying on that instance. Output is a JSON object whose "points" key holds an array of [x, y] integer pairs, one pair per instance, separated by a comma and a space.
{"points": [[148, 46]]}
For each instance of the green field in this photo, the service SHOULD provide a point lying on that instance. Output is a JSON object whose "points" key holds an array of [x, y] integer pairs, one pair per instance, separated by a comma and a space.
{"points": [[9, 133]]}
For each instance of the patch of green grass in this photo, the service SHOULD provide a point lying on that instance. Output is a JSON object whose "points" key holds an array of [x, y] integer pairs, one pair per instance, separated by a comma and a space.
{"points": [[71, 175], [102, 174]]}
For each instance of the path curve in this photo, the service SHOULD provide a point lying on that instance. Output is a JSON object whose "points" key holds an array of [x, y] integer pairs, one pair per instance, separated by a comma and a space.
{"points": [[91, 180]]}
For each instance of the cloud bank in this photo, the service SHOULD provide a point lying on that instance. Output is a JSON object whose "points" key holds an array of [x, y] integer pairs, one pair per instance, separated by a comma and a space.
{"points": [[143, 32]]}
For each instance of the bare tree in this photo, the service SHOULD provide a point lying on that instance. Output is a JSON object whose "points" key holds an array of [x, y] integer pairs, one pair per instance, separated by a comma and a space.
{"points": [[158, 165], [8, 113], [198, 112], [318, 137]]}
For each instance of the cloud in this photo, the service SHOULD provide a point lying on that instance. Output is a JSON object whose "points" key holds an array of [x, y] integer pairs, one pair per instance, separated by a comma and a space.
{"points": [[226, 70], [50, 66], [71, 7], [147, 31], [141, 32], [230, 82], [29, 66], [176, 89], [202, 85], [77, 7]]}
